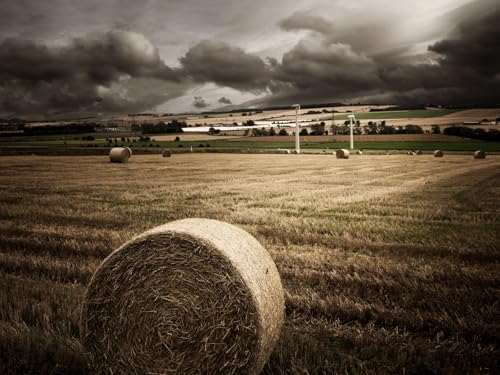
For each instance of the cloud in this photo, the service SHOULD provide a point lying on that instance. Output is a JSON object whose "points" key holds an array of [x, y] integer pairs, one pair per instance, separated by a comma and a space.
{"points": [[87, 75], [200, 103], [305, 21], [226, 66], [224, 100], [463, 71]]}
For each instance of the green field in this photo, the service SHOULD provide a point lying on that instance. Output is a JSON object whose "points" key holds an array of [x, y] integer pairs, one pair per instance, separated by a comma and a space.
{"points": [[464, 146], [387, 115]]}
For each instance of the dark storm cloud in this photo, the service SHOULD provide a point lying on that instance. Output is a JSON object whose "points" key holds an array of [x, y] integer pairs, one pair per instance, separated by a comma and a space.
{"points": [[99, 58], [466, 70], [225, 100], [200, 103], [322, 51], [225, 65], [313, 70], [83, 75], [458, 70]]}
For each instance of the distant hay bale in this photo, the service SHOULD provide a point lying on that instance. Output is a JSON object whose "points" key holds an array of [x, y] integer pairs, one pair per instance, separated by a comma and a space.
{"points": [[418, 152], [360, 152], [342, 154], [438, 154], [283, 151], [119, 154], [479, 154], [189, 297], [166, 153]]}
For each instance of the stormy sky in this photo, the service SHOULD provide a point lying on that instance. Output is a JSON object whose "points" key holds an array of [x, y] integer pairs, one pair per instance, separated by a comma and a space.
{"points": [[67, 58]]}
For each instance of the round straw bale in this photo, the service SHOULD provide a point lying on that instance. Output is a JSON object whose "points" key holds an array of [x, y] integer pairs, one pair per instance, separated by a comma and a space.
{"points": [[129, 151], [342, 154], [119, 155], [283, 151], [418, 152], [438, 154], [479, 154], [189, 297], [360, 152], [166, 153]]}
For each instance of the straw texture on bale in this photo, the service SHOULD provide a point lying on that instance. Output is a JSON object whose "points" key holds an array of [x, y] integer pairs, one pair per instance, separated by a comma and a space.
{"points": [[438, 154], [188, 297], [479, 154], [166, 153], [119, 154], [360, 152], [342, 154]]}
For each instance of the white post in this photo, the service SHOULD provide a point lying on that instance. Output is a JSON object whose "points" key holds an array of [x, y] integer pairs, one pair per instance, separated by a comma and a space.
{"points": [[297, 130], [351, 117]]}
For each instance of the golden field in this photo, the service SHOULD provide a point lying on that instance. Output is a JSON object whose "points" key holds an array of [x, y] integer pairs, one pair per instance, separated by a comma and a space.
{"points": [[390, 264]]}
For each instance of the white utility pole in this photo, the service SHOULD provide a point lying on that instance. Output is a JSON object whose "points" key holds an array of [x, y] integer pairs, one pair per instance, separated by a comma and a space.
{"points": [[352, 119], [297, 130]]}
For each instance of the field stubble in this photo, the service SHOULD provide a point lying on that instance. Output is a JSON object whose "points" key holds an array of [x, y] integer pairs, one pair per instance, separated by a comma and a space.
{"points": [[390, 264]]}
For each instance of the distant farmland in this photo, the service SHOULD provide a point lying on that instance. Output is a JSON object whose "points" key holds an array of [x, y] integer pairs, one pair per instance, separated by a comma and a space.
{"points": [[387, 115], [389, 263], [403, 142]]}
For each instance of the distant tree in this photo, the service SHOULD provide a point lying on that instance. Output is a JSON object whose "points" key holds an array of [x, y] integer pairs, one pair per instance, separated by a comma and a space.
{"points": [[413, 129], [303, 132], [177, 139], [436, 129], [272, 132], [283, 132], [318, 129]]}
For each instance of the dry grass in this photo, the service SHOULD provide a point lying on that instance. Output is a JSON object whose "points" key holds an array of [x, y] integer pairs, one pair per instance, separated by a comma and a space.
{"points": [[390, 264]]}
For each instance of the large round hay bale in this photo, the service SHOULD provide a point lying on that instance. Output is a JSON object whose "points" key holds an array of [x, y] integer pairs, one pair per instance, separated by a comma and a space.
{"points": [[438, 154], [479, 154], [129, 151], [119, 155], [166, 153], [342, 154], [189, 297]]}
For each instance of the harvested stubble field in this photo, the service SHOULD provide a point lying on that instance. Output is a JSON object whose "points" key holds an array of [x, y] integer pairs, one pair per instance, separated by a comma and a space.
{"points": [[390, 263]]}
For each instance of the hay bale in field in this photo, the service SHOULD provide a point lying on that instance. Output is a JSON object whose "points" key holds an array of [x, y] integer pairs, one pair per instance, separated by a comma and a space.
{"points": [[360, 152], [342, 153], [188, 297], [129, 151], [283, 151], [438, 154], [166, 153], [479, 154], [119, 154], [418, 152]]}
